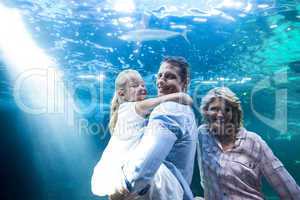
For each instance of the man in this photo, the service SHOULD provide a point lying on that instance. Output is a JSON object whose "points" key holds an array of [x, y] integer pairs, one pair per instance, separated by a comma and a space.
{"points": [[170, 136]]}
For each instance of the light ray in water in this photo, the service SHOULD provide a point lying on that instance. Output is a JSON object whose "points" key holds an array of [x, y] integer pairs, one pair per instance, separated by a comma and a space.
{"points": [[38, 81]]}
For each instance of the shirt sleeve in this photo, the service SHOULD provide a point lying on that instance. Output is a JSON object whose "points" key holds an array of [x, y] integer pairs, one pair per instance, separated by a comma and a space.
{"points": [[277, 175], [157, 142], [199, 154]]}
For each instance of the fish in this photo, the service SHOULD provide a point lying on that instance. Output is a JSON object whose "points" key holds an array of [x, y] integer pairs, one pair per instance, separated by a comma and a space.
{"points": [[142, 35]]}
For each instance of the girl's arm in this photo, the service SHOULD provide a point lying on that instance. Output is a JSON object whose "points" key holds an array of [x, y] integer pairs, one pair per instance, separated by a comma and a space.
{"points": [[144, 107]]}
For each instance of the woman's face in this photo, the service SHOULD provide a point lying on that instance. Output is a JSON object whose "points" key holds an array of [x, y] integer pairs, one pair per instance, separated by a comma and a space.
{"points": [[135, 89], [219, 115], [168, 79]]}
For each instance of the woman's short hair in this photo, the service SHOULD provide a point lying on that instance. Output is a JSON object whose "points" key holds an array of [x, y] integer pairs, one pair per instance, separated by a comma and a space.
{"points": [[230, 97]]}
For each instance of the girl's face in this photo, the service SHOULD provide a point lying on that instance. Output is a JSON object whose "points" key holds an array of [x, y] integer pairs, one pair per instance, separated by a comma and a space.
{"points": [[135, 89]]}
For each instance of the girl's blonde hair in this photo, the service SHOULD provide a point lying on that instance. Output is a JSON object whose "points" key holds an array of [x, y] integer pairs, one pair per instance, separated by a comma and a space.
{"points": [[227, 95], [120, 84]]}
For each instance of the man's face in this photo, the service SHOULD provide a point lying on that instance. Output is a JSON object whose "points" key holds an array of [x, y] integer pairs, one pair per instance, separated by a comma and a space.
{"points": [[219, 115], [168, 79]]}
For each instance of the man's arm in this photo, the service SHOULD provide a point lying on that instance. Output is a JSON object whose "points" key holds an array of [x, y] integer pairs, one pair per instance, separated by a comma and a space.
{"points": [[277, 175], [159, 137]]}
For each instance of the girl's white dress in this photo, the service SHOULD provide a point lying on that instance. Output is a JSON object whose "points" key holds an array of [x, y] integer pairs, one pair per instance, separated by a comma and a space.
{"points": [[127, 135]]}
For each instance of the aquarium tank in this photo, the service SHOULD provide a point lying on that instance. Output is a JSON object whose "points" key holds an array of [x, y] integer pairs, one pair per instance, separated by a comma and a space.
{"points": [[59, 60]]}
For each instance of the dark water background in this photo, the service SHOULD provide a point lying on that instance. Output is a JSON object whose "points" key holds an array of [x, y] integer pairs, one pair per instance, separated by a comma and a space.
{"points": [[253, 47]]}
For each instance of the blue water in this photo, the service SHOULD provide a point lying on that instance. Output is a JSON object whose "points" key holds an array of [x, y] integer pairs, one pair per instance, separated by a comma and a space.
{"points": [[253, 47]]}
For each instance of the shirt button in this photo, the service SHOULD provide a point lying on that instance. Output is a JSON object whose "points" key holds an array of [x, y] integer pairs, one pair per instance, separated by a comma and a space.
{"points": [[224, 194]]}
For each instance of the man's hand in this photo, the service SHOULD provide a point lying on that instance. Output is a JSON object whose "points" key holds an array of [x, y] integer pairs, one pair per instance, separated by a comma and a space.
{"points": [[119, 195], [123, 194]]}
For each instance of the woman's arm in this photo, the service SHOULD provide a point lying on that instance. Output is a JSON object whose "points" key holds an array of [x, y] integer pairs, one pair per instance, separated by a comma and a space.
{"points": [[144, 107], [277, 176]]}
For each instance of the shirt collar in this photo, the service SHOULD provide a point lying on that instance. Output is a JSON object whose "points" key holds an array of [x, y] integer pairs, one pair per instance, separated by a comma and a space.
{"points": [[241, 135]]}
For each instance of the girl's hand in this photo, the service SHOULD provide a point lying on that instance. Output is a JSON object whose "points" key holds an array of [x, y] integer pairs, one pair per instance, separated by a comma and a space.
{"points": [[185, 99]]}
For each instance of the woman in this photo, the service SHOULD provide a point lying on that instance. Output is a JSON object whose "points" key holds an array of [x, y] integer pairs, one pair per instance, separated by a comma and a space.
{"points": [[233, 160]]}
